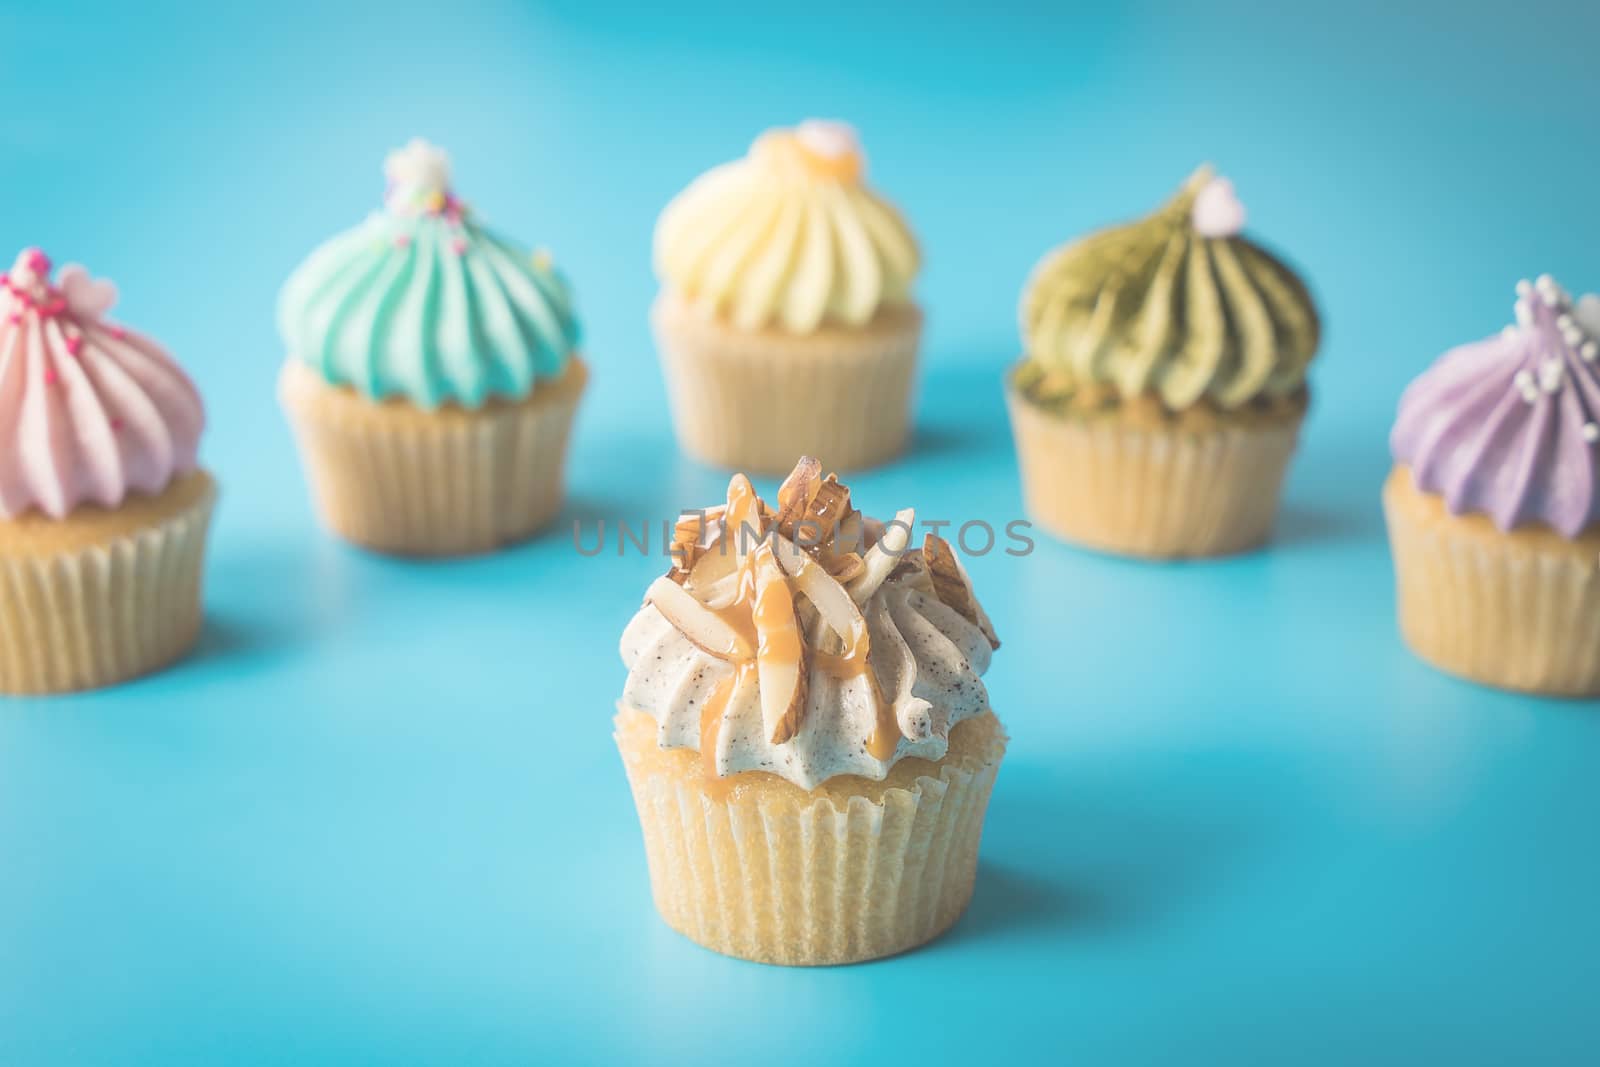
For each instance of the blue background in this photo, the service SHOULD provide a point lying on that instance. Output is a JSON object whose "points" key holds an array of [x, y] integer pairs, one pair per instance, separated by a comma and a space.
{"points": [[378, 815]]}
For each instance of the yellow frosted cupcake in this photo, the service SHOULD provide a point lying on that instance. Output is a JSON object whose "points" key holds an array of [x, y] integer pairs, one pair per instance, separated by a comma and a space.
{"points": [[103, 508], [433, 374], [1494, 502], [810, 746], [785, 320], [1164, 382]]}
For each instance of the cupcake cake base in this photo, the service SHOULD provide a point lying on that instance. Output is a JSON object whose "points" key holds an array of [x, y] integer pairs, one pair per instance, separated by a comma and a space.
{"points": [[1519, 610], [395, 478], [1119, 482], [754, 400], [753, 866], [105, 594]]}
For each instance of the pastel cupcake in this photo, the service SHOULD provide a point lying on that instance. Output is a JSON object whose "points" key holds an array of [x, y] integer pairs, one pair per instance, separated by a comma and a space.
{"points": [[1493, 513], [809, 743], [1164, 382], [103, 510], [433, 373], [785, 322]]}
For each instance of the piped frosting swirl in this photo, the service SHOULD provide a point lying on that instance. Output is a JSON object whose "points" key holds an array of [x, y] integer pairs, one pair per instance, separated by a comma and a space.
{"points": [[89, 410], [423, 302], [789, 236], [1508, 426], [1178, 305], [807, 641]]}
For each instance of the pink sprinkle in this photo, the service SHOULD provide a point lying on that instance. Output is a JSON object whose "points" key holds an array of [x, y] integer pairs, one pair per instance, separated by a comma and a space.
{"points": [[75, 344], [458, 246], [50, 376], [401, 240], [35, 260], [116, 424], [14, 318], [118, 332], [55, 307]]}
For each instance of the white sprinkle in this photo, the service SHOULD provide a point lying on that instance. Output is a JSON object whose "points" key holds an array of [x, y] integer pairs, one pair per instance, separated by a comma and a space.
{"points": [[1573, 337], [1551, 375], [1524, 314], [1551, 299], [1509, 333], [1591, 432], [1524, 287], [1589, 351]]}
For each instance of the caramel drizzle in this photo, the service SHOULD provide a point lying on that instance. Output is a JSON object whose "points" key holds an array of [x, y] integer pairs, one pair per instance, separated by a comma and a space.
{"points": [[763, 613], [759, 629]]}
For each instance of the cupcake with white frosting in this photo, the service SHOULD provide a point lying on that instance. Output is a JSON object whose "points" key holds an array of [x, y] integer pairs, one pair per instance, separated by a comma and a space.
{"points": [[786, 322], [1494, 501], [432, 374], [103, 507], [806, 729]]}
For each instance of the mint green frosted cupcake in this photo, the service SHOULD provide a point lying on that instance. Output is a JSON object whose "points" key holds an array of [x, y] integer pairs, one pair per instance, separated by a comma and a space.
{"points": [[432, 373]]}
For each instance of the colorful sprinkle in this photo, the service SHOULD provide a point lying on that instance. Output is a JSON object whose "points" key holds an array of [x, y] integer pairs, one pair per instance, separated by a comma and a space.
{"points": [[75, 344], [459, 246], [402, 240], [50, 376]]}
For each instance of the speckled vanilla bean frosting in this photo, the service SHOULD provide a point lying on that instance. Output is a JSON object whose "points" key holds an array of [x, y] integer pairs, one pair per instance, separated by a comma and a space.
{"points": [[817, 643]]}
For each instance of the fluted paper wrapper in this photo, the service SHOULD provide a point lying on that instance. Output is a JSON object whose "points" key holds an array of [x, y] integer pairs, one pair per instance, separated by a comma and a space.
{"points": [[1518, 610], [103, 596], [756, 401], [1152, 491], [395, 478], [772, 873]]}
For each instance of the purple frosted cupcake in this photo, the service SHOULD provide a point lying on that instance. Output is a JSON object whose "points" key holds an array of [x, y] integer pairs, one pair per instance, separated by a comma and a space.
{"points": [[1493, 509]]}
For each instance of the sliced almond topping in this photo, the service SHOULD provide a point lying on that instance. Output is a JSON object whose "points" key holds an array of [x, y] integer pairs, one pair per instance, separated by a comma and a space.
{"points": [[781, 661], [951, 585], [797, 492], [849, 535], [744, 518], [837, 612], [844, 567], [712, 567], [703, 627], [884, 556], [692, 534]]}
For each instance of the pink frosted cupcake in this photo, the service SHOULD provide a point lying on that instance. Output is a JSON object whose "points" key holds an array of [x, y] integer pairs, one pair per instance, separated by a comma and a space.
{"points": [[103, 511]]}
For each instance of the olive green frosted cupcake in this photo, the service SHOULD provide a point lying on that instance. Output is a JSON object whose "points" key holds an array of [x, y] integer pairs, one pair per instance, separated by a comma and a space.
{"points": [[1164, 381]]}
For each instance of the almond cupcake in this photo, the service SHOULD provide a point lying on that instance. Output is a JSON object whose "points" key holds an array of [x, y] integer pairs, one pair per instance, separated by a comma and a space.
{"points": [[810, 746], [1493, 513], [103, 510], [785, 320], [1164, 382], [433, 373]]}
